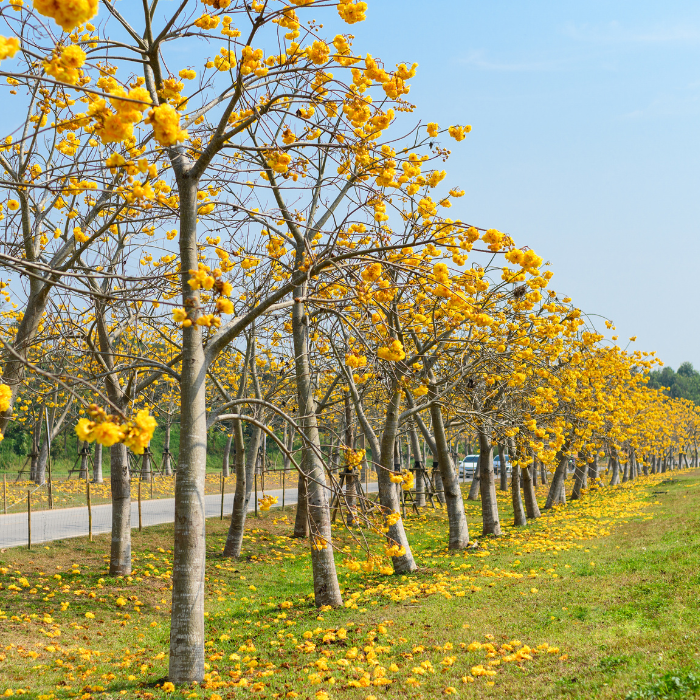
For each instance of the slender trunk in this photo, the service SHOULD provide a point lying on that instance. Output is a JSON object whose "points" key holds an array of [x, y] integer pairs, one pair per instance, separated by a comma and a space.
{"points": [[533, 472], [36, 439], [234, 538], [326, 589], [189, 553], [615, 468], [503, 472], [120, 481], [391, 504], [543, 474], [516, 498], [579, 476], [225, 472], [97, 465], [489, 504], [475, 487], [301, 521], [531, 507], [289, 444], [593, 468], [556, 492], [84, 455], [167, 457], [626, 470], [456, 518], [351, 470], [418, 467], [146, 466]]}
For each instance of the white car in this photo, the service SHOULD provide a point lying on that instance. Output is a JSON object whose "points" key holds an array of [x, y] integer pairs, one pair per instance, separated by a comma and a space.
{"points": [[467, 467]]}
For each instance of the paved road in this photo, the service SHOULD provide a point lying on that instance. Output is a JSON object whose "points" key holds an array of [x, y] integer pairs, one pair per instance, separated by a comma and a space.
{"points": [[63, 523]]}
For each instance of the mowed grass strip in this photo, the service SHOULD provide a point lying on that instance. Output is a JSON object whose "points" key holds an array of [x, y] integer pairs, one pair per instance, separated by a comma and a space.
{"points": [[598, 599]]}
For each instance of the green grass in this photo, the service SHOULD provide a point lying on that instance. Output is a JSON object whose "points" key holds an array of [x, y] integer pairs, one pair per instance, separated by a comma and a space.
{"points": [[608, 584]]}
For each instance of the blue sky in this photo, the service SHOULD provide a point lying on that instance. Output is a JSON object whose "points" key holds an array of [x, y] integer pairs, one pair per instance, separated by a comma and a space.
{"points": [[585, 141]]}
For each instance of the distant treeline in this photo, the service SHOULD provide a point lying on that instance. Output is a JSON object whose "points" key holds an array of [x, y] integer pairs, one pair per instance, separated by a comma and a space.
{"points": [[683, 384]]}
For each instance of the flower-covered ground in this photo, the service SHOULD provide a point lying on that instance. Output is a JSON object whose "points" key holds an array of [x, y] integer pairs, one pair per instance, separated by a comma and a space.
{"points": [[592, 600]]}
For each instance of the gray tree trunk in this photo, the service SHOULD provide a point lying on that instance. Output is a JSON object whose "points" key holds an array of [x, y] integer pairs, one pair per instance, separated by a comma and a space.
{"points": [[326, 588], [615, 468], [543, 474], [84, 456], [579, 476], [475, 486], [418, 467], [234, 538], [225, 470], [186, 662], [503, 471], [519, 517], [97, 465], [556, 493], [146, 474], [457, 520], [489, 504], [301, 521], [388, 497], [167, 466], [120, 481], [529, 495]]}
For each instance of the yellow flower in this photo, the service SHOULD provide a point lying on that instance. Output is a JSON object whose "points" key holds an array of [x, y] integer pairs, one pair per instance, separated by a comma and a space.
{"points": [[166, 125], [433, 129], [168, 687], [68, 14], [84, 430], [5, 397], [13, 205], [8, 47]]}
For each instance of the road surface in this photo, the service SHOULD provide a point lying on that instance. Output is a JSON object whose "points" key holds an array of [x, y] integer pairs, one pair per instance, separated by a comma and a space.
{"points": [[63, 523]]}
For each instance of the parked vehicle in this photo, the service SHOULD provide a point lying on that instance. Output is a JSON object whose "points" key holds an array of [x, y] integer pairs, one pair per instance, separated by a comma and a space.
{"points": [[467, 467], [497, 465]]}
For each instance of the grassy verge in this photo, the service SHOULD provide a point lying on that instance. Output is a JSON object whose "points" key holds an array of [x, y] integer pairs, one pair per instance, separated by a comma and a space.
{"points": [[597, 599]]}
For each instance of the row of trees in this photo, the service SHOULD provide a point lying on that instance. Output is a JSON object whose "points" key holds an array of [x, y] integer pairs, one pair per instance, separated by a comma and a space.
{"points": [[260, 239]]}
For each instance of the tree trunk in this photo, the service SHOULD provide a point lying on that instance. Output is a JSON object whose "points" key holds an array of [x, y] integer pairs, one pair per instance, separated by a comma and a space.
{"points": [[533, 472], [403, 561], [234, 538], [489, 504], [326, 589], [227, 455], [97, 465], [543, 474], [301, 521], [456, 518], [531, 507], [579, 476], [554, 495], [120, 481], [146, 466], [167, 457], [475, 487], [418, 467], [350, 471], [503, 471], [84, 454], [593, 468], [615, 468], [516, 498], [189, 553]]}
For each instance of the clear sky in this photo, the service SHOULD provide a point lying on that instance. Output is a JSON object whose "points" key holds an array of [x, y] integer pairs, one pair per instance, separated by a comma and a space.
{"points": [[585, 142]]}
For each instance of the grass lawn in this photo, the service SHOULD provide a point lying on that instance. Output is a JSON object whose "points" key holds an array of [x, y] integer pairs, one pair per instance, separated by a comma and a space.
{"points": [[598, 599]]}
